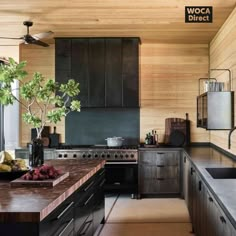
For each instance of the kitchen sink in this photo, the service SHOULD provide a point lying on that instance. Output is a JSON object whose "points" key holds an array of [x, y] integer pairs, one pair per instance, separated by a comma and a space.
{"points": [[222, 173]]}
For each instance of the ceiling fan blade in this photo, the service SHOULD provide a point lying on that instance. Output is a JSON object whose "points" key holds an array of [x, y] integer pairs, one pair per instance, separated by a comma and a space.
{"points": [[39, 43], [10, 38], [43, 35]]}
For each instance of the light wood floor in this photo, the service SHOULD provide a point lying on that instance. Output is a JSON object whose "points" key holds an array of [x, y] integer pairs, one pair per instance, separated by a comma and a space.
{"points": [[145, 217]]}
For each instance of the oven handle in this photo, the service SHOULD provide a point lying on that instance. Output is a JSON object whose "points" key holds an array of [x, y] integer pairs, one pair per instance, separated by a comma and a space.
{"points": [[120, 162]]}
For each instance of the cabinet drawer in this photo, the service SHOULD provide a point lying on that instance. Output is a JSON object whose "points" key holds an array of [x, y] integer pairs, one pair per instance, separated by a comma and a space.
{"points": [[153, 172], [87, 228], [160, 186], [83, 209], [60, 220], [160, 158]]}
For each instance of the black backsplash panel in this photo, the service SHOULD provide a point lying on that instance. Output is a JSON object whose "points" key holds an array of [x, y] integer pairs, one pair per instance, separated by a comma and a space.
{"points": [[92, 126]]}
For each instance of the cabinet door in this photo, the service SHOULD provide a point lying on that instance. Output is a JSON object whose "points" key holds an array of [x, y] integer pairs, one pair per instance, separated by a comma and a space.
{"points": [[99, 202], [80, 67], [190, 191], [233, 231], [113, 65], [130, 72], [96, 73], [213, 226], [185, 178], [62, 61]]}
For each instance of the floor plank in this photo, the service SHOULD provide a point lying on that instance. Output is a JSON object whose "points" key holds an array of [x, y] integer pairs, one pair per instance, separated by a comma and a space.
{"points": [[149, 216]]}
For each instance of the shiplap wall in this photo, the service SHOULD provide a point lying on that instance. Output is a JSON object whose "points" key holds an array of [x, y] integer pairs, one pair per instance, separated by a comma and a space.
{"points": [[169, 76], [223, 55], [169, 85]]}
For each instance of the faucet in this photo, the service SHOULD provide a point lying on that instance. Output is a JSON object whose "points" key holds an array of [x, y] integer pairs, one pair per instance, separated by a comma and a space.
{"points": [[230, 132]]}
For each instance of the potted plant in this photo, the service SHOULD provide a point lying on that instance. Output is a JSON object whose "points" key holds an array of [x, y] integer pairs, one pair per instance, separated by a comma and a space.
{"points": [[40, 100]]}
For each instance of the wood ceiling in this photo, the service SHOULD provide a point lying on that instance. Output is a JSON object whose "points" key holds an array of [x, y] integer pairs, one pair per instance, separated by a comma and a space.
{"points": [[154, 21]]}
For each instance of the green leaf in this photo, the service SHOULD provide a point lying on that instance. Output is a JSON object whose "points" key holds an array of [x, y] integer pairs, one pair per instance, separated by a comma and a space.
{"points": [[75, 105], [32, 119], [38, 94]]}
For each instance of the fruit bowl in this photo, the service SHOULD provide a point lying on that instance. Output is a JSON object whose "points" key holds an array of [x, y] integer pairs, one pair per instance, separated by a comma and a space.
{"points": [[11, 175]]}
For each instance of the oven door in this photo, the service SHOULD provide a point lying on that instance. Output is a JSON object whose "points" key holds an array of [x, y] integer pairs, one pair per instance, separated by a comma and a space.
{"points": [[121, 178]]}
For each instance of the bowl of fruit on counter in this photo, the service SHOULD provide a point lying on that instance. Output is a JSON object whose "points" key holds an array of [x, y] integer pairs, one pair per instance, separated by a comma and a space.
{"points": [[11, 168]]}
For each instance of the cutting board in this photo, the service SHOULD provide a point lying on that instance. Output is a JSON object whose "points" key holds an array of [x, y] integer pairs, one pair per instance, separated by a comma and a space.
{"points": [[168, 127], [38, 183], [54, 138]]}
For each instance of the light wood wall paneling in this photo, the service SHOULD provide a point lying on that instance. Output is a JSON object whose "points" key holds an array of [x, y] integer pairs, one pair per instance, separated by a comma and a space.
{"points": [[169, 85], [39, 59], [223, 55]]}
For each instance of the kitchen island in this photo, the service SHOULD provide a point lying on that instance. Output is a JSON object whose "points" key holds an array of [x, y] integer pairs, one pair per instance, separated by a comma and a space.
{"points": [[39, 209]]}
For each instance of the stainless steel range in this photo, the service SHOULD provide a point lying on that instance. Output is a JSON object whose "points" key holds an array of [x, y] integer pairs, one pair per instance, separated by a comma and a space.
{"points": [[121, 167], [112, 156]]}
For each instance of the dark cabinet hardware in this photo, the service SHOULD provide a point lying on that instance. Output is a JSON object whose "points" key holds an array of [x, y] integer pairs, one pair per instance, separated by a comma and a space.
{"points": [[88, 200], [210, 199], [65, 210], [102, 183], [184, 159], [160, 179], [160, 153], [222, 219], [102, 173], [160, 166], [86, 227], [89, 186], [200, 185], [192, 171], [66, 227]]}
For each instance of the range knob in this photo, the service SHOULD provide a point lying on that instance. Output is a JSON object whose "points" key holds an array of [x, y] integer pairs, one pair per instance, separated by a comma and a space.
{"points": [[108, 155], [96, 155], [60, 155], [132, 155], [89, 155], [126, 155], [121, 155], [103, 155], [116, 155], [65, 155], [84, 156], [74, 155]]}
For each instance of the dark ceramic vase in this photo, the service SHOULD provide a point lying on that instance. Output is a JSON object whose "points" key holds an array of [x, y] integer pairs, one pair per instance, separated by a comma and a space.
{"points": [[36, 154]]}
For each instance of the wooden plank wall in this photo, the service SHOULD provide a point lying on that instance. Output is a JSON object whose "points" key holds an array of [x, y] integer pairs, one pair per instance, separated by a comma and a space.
{"points": [[10, 51], [169, 76], [169, 85], [42, 60], [223, 55]]}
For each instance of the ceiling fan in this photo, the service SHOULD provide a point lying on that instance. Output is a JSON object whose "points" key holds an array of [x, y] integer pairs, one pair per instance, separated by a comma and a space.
{"points": [[32, 39]]}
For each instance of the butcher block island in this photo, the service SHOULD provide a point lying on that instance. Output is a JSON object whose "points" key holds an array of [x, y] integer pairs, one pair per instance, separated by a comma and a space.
{"points": [[75, 206]]}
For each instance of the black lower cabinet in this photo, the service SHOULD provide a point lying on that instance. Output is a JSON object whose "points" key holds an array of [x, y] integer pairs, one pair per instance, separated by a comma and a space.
{"points": [[99, 206], [80, 214], [89, 210], [208, 219]]}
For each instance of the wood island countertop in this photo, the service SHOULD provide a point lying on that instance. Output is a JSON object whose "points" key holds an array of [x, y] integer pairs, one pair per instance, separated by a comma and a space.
{"points": [[33, 204]]}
